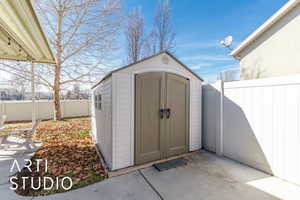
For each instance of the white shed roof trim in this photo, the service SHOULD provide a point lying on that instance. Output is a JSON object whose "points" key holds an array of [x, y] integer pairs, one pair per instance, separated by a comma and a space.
{"points": [[21, 35], [267, 25], [144, 59]]}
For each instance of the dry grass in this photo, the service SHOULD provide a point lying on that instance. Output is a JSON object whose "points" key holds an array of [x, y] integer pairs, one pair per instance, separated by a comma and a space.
{"points": [[69, 151]]}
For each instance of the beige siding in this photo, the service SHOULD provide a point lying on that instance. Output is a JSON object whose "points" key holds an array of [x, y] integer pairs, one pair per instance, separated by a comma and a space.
{"points": [[102, 120], [123, 107], [276, 52]]}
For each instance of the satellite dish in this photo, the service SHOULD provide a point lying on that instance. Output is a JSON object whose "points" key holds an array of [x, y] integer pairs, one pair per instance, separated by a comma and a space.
{"points": [[227, 41]]}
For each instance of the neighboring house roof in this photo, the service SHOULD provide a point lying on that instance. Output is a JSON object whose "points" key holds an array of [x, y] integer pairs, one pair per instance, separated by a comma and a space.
{"points": [[290, 5], [126, 66]]}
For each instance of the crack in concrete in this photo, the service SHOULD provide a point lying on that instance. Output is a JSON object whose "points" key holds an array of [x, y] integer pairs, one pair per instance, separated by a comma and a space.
{"points": [[152, 187]]}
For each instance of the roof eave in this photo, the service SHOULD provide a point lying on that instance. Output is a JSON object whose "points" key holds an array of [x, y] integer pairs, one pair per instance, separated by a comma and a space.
{"points": [[27, 60], [32, 4], [47, 58], [263, 28]]}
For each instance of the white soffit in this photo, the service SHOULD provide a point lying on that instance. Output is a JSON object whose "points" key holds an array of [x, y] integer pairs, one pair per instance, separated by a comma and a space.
{"points": [[263, 28], [21, 35]]}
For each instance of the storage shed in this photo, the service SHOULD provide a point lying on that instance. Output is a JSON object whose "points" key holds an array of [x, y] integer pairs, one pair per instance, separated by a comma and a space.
{"points": [[147, 111]]}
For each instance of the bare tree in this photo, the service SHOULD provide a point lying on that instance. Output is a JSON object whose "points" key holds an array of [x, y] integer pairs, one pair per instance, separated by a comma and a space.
{"points": [[82, 34], [20, 86], [76, 91], [134, 33], [150, 46], [163, 27]]}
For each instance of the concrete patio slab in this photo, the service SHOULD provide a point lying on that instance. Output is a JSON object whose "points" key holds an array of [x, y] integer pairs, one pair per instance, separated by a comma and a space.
{"points": [[7, 156], [7, 194], [206, 176], [6, 164], [126, 187], [14, 150], [209, 177]]}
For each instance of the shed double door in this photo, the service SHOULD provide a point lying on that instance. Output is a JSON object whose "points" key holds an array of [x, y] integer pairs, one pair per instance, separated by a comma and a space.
{"points": [[161, 116]]}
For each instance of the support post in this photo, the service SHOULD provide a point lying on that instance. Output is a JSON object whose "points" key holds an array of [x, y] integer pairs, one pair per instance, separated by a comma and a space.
{"points": [[33, 93]]}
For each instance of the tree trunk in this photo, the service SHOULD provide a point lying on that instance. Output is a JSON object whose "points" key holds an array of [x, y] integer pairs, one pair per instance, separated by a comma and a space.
{"points": [[57, 108], [56, 88]]}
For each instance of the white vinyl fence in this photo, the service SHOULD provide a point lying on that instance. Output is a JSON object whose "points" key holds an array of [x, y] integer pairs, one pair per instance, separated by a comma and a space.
{"points": [[256, 122], [22, 110]]}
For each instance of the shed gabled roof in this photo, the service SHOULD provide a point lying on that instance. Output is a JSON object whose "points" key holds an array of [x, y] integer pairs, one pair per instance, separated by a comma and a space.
{"points": [[290, 5], [126, 66]]}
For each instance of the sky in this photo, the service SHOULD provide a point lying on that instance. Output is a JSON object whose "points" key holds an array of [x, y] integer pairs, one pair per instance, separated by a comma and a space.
{"points": [[201, 25]]}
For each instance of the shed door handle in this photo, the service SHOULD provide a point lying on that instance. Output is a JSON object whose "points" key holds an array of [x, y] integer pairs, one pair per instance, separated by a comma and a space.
{"points": [[168, 113], [161, 113]]}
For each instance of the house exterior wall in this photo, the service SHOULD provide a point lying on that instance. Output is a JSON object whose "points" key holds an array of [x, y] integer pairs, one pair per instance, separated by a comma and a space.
{"points": [[123, 107], [102, 120], [276, 52]]}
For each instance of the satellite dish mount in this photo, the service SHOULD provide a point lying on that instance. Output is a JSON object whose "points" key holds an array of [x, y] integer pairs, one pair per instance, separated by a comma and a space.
{"points": [[227, 42]]}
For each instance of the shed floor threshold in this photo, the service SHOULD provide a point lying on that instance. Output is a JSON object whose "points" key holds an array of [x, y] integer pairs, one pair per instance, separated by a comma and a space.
{"points": [[138, 167]]}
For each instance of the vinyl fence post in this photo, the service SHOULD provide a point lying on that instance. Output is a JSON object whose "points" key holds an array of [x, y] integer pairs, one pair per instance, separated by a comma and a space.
{"points": [[219, 120]]}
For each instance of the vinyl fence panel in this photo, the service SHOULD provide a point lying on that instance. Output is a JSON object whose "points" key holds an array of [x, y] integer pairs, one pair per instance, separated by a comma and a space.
{"points": [[22, 110], [211, 115], [260, 124]]}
